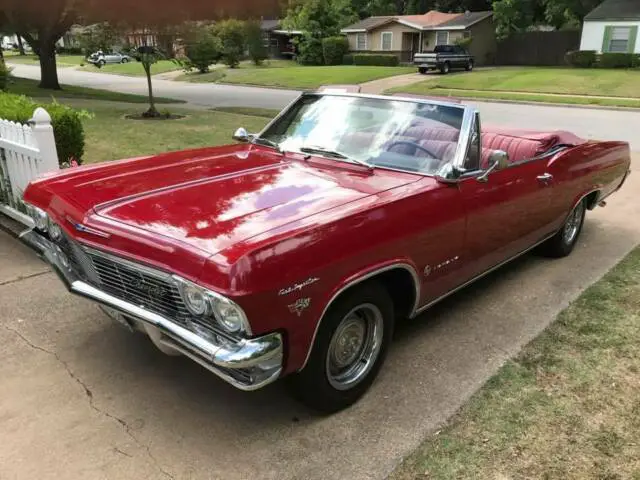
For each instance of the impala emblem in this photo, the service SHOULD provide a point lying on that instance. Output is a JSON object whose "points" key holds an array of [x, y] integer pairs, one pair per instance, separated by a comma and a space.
{"points": [[300, 306], [148, 288], [298, 286]]}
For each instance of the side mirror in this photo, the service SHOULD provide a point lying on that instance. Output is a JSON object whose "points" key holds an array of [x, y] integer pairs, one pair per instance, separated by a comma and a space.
{"points": [[498, 160], [241, 135]]}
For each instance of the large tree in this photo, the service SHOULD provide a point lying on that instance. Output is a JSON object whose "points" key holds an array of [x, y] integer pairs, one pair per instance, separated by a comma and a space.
{"points": [[43, 22]]}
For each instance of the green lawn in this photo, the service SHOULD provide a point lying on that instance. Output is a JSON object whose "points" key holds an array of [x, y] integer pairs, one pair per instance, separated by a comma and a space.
{"points": [[134, 68], [63, 60], [505, 83], [23, 86], [109, 136], [287, 74], [567, 407]]}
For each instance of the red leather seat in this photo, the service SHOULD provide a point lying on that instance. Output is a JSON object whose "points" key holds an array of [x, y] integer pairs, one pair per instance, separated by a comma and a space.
{"points": [[517, 148]]}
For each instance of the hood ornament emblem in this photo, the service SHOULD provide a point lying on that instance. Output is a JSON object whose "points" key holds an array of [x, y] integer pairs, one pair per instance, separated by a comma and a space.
{"points": [[84, 229]]}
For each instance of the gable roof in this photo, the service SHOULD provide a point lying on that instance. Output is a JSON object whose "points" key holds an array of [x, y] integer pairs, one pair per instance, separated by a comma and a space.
{"points": [[616, 10], [432, 20], [270, 25]]}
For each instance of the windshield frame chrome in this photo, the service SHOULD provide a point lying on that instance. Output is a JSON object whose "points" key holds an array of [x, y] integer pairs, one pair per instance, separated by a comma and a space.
{"points": [[464, 137]]}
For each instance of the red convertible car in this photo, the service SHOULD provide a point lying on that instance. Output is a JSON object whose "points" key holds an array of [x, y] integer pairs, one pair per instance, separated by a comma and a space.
{"points": [[294, 252]]}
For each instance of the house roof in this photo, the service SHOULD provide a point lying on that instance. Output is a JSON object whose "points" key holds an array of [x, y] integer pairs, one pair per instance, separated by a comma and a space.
{"points": [[432, 20], [270, 24], [616, 10]]}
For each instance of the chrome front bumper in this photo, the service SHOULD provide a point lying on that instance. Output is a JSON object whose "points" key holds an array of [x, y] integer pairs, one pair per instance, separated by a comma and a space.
{"points": [[247, 364]]}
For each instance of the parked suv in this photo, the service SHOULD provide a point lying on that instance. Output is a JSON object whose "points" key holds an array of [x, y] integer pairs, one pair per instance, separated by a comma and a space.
{"points": [[444, 58]]}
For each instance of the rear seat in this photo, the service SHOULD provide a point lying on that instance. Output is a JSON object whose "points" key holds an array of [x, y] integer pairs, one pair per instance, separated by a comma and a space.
{"points": [[517, 148]]}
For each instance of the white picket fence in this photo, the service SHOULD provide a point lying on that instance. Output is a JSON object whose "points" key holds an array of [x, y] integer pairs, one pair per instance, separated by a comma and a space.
{"points": [[26, 152]]}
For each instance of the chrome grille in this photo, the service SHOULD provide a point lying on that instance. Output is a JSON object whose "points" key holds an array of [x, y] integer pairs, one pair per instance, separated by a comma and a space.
{"points": [[151, 290]]}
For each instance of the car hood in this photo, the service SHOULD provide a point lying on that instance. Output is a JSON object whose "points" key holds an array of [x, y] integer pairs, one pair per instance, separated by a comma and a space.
{"points": [[211, 199]]}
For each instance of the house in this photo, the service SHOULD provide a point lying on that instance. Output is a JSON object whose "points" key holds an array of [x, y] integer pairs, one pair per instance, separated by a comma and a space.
{"points": [[277, 39], [405, 35], [612, 27]]}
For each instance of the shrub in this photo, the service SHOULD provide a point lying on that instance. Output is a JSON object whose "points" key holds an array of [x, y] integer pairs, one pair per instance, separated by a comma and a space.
{"points": [[66, 122], [204, 51], [618, 60], [375, 59], [310, 51], [69, 50], [5, 73], [232, 36], [334, 50], [347, 59], [255, 43], [581, 58]]}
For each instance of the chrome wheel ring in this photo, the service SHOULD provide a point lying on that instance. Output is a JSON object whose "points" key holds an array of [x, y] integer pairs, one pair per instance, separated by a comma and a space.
{"points": [[572, 225], [354, 346]]}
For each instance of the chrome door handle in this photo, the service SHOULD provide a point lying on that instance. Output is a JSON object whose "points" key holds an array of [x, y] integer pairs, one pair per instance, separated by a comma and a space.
{"points": [[545, 178]]}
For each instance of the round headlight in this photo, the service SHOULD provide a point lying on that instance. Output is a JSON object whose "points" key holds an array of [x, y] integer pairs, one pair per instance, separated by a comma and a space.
{"points": [[195, 300], [41, 219], [230, 316], [55, 232]]}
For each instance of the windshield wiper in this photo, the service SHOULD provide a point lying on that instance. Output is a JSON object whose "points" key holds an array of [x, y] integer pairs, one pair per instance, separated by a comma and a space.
{"points": [[267, 142], [332, 153]]}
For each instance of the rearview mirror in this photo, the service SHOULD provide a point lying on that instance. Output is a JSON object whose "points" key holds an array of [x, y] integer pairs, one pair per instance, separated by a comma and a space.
{"points": [[498, 160], [241, 135]]}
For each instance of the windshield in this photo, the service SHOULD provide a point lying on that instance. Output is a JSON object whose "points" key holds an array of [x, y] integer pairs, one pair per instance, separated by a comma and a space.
{"points": [[399, 134]]}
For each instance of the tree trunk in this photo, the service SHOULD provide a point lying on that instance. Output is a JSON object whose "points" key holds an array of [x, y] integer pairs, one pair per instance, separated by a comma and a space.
{"points": [[21, 45], [152, 112], [48, 67]]}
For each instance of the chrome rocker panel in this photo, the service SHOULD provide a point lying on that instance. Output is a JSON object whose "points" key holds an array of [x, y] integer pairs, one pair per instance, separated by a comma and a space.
{"points": [[263, 354]]}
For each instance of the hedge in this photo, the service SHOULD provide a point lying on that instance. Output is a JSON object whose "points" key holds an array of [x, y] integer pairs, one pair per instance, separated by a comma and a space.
{"points": [[581, 58], [5, 73], [375, 59], [347, 59], [618, 60], [66, 122], [334, 49], [69, 50]]}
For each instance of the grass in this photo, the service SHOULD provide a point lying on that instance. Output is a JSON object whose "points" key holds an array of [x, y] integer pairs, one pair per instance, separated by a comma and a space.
{"points": [[23, 86], [133, 68], [538, 84], [287, 74], [110, 137], [63, 60], [567, 407], [256, 112]]}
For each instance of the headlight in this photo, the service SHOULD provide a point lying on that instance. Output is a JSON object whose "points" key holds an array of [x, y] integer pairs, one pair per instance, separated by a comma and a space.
{"points": [[205, 303], [196, 300], [230, 316], [55, 232], [40, 218]]}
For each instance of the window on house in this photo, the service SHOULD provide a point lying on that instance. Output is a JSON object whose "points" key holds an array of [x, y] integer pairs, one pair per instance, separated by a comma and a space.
{"points": [[387, 40], [361, 41], [619, 39], [442, 38]]}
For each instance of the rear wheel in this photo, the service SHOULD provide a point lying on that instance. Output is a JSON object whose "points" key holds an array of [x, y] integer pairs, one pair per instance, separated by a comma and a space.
{"points": [[349, 349], [422, 71], [563, 242], [124, 60], [469, 66], [444, 69]]}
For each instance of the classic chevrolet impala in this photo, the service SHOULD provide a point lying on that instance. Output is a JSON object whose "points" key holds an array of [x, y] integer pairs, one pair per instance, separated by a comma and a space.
{"points": [[294, 252]]}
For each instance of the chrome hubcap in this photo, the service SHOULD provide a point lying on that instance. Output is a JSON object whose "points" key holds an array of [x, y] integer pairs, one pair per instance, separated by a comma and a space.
{"points": [[355, 346], [572, 224]]}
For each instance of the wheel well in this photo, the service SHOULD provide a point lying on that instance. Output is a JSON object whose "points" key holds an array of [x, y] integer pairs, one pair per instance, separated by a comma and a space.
{"points": [[592, 200], [401, 287]]}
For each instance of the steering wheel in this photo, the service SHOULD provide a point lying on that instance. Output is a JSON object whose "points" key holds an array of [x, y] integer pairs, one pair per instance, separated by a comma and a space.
{"points": [[415, 145]]}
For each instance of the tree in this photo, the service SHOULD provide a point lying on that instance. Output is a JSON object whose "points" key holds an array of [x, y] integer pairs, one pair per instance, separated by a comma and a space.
{"points": [[255, 43], [204, 50], [231, 33], [99, 36], [513, 16]]}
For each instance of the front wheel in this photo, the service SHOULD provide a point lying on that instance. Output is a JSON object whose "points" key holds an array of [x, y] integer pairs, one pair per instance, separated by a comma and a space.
{"points": [[469, 66], [349, 349], [124, 60], [422, 71], [563, 242], [444, 69]]}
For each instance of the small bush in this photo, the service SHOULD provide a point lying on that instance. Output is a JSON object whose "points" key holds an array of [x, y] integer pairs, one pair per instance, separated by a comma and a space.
{"points": [[5, 74], [67, 123], [334, 50], [375, 59], [255, 43], [310, 51], [347, 59], [581, 58], [232, 36], [204, 51], [618, 60], [69, 50]]}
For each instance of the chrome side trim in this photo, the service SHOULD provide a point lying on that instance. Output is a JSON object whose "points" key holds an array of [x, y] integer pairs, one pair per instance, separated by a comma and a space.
{"points": [[478, 277], [367, 276]]}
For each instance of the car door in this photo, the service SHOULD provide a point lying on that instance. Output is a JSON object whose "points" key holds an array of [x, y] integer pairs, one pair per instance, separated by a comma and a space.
{"points": [[508, 210], [459, 57], [111, 58]]}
